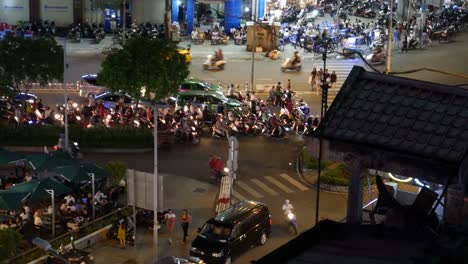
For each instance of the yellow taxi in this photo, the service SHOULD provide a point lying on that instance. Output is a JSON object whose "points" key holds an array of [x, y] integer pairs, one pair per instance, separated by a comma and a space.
{"points": [[185, 52]]}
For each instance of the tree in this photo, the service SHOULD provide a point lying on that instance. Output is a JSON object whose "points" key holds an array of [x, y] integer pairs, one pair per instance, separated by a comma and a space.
{"points": [[10, 240], [117, 170], [26, 61], [152, 64]]}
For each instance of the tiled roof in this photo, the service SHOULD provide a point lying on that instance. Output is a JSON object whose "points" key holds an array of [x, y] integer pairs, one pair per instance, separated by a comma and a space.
{"points": [[414, 117]]}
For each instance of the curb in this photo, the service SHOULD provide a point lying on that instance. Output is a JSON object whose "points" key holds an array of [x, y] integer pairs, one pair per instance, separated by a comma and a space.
{"points": [[89, 150]]}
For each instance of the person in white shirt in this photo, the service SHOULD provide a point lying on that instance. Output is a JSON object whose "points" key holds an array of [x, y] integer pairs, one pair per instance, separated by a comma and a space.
{"points": [[287, 208], [69, 198], [100, 197], [37, 219]]}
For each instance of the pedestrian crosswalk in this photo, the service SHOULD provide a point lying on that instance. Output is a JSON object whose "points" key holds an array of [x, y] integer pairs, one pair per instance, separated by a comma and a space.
{"points": [[261, 187], [342, 69]]}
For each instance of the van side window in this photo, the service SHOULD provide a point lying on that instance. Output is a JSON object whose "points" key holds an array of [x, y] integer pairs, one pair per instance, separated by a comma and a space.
{"points": [[235, 231]]}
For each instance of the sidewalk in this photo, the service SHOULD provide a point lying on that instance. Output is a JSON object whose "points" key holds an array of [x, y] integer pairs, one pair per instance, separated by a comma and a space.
{"points": [[200, 206]]}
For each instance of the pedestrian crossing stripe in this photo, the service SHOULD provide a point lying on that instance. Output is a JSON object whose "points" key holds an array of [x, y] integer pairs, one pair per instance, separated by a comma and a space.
{"points": [[264, 187], [283, 187], [238, 196], [294, 182], [249, 189]]}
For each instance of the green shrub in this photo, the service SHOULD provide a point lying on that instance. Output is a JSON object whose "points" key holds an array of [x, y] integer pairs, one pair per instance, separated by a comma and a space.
{"points": [[119, 137], [312, 163], [338, 175], [117, 170]]}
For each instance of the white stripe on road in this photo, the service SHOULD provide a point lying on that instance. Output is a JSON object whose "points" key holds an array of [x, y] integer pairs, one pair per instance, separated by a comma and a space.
{"points": [[279, 184], [264, 187], [264, 79], [294, 182], [238, 196], [249, 189]]}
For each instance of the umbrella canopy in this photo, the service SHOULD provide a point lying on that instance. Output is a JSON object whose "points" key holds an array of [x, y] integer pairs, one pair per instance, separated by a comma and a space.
{"points": [[11, 200], [80, 173], [37, 189], [7, 156], [4, 217], [41, 162]]}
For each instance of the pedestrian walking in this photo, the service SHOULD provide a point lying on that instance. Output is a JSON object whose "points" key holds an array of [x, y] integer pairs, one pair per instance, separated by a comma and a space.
{"points": [[333, 79], [121, 234], [185, 220], [312, 76], [404, 46], [170, 218], [424, 39], [396, 38]]}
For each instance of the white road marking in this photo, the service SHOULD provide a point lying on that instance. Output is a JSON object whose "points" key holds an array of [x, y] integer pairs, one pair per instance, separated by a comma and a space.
{"points": [[294, 182], [279, 184], [264, 187], [248, 189], [238, 196]]}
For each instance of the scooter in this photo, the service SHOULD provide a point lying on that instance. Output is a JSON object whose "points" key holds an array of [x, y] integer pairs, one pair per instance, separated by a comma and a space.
{"points": [[292, 223], [287, 65], [217, 65]]}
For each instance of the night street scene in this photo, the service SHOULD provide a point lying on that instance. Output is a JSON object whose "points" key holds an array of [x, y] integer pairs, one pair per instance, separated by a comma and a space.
{"points": [[234, 131]]}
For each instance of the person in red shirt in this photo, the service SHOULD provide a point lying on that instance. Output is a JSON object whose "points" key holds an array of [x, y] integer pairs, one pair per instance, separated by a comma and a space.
{"points": [[216, 165]]}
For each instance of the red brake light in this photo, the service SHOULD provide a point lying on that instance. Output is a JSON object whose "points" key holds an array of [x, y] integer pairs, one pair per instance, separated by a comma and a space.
{"points": [[270, 221]]}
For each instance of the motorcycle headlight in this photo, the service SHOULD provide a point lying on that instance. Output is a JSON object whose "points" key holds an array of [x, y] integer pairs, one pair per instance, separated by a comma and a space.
{"points": [[217, 255], [74, 105], [91, 257], [194, 249], [57, 116], [78, 118], [290, 216]]}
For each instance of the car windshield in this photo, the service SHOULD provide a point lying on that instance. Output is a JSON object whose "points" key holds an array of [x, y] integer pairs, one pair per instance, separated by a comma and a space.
{"points": [[216, 229], [206, 84]]}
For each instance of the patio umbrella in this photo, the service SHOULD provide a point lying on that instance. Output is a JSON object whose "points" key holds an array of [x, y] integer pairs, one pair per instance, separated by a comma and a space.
{"points": [[7, 156], [4, 217], [80, 173], [47, 162], [11, 200], [37, 189]]}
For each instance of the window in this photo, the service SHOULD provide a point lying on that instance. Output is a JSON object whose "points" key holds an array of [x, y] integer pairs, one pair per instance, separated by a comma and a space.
{"points": [[185, 86], [216, 229], [127, 99], [198, 87], [110, 98]]}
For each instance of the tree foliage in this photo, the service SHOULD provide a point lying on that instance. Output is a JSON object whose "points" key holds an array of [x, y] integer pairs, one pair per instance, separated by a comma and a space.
{"points": [[153, 64], [26, 61], [10, 240], [117, 170]]}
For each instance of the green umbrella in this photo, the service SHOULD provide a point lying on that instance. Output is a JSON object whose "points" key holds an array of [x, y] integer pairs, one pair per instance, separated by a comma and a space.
{"points": [[81, 173], [48, 162], [11, 200], [7, 156], [4, 217], [37, 189]]}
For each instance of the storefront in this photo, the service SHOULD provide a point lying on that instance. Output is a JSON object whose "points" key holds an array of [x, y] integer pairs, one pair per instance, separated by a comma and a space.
{"points": [[12, 11], [210, 13]]}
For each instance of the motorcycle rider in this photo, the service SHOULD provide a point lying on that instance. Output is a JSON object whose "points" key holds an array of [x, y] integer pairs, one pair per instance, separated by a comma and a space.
{"points": [[216, 166], [218, 56], [218, 126], [287, 208], [296, 59]]}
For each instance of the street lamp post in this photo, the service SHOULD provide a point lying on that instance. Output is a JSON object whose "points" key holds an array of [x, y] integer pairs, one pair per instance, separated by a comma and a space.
{"points": [[155, 179], [65, 116], [93, 192], [323, 110], [254, 47], [52, 196]]}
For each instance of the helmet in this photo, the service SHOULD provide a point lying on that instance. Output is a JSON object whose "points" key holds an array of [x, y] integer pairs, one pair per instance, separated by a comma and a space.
{"points": [[286, 201]]}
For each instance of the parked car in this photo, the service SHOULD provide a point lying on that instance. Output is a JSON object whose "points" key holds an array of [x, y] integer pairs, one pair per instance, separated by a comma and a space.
{"points": [[110, 100], [232, 232], [199, 85], [19, 98], [210, 99]]}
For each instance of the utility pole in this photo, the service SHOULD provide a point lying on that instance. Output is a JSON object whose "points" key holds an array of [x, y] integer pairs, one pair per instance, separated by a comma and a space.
{"points": [[388, 62], [323, 110]]}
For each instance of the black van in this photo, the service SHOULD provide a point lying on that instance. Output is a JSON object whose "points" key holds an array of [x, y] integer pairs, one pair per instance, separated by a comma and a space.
{"points": [[232, 232]]}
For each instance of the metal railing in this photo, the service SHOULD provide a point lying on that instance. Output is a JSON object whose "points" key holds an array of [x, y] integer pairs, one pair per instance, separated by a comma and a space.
{"points": [[21, 258]]}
